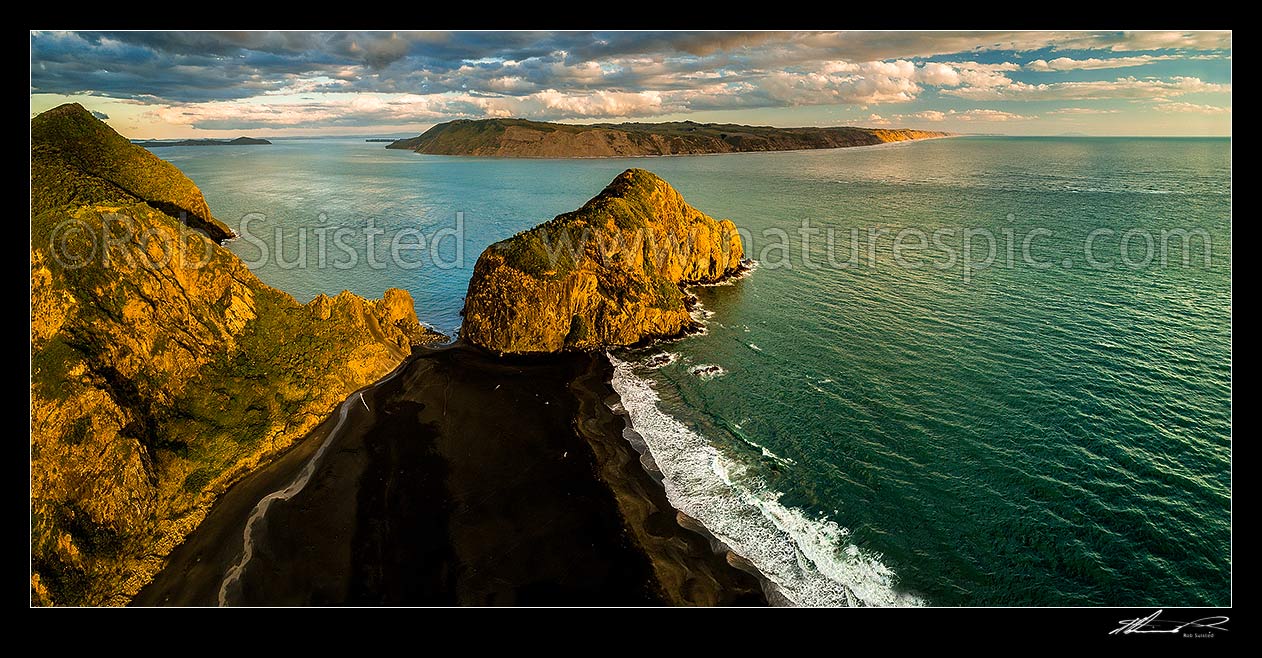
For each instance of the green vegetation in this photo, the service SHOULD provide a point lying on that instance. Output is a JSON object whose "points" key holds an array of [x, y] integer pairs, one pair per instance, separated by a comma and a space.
{"points": [[76, 161], [156, 381], [594, 277]]}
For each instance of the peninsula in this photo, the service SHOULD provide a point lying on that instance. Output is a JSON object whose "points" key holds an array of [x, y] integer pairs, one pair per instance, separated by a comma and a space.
{"points": [[520, 138], [240, 141]]}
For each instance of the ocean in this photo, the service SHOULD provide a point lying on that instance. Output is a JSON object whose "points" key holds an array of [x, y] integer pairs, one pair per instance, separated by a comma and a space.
{"points": [[984, 371]]}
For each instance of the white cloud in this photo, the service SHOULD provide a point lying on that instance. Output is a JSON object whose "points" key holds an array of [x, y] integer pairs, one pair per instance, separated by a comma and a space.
{"points": [[1132, 88], [935, 116], [845, 83], [989, 115], [1192, 108], [859, 46], [598, 104], [393, 109], [927, 115], [1083, 110], [1156, 40], [941, 75], [1092, 63]]}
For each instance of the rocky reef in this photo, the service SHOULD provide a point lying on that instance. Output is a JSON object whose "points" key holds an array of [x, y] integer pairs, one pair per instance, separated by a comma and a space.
{"points": [[162, 369], [607, 274], [520, 138]]}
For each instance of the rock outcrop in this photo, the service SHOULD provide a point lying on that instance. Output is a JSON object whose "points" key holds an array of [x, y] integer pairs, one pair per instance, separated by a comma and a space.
{"points": [[519, 138], [607, 274], [76, 160], [162, 369]]}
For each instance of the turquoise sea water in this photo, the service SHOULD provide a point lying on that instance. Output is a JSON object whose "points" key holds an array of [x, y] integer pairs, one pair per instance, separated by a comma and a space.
{"points": [[889, 430]]}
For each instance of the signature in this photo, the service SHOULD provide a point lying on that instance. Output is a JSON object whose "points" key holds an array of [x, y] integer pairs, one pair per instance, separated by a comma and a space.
{"points": [[1152, 624]]}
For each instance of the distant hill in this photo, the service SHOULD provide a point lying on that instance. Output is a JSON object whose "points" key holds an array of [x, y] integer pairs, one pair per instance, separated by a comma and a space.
{"points": [[520, 138], [76, 160], [240, 141]]}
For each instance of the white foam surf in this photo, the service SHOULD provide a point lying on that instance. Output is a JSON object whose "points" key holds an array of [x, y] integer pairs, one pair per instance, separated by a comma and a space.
{"points": [[707, 371], [749, 266], [809, 561], [660, 360]]}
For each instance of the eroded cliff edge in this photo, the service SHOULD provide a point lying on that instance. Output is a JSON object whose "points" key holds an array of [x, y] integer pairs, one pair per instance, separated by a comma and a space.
{"points": [[605, 275], [162, 368]]}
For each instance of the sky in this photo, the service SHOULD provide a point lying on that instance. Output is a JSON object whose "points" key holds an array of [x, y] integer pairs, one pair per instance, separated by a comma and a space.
{"points": [[277, 84]]}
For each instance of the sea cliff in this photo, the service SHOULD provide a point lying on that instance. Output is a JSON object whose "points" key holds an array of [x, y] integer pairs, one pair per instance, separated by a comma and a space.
{"points": [[605, 275], [162, 369]]}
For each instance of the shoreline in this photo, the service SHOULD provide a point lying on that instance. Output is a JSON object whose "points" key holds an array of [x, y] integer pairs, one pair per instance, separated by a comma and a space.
{"points": [[692, 566], [459, 461]]}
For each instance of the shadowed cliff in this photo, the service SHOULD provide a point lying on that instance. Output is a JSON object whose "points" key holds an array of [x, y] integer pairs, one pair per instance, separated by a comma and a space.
{"points": [[604, 275]]}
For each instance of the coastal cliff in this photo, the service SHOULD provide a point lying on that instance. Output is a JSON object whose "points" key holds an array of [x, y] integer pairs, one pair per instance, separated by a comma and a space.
{"points": [[520, 138], [607, 274], [162, 369]]}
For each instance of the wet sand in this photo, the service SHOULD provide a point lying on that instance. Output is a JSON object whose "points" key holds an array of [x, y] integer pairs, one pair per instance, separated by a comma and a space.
{"points": [[463, 480]]}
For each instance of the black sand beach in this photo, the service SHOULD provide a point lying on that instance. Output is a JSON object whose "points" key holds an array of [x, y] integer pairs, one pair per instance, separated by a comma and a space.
{"points": [[463, 480]]}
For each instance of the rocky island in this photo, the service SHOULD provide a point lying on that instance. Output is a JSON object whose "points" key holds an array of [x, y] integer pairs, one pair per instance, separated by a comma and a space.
{"points": [[521, 138], [240, 141], [608, 274]]}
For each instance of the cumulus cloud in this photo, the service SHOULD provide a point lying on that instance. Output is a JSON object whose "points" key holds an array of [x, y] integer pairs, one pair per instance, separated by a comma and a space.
{"points": [[1092, 63], [990, 115], [307, 78], [1131, 88], [1083, 110], [396, 109], [1157, 39], [1191, 108], [967, 115], [978, 115]]}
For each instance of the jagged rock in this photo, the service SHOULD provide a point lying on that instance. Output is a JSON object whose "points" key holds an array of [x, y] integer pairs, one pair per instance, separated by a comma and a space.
{"points": [[606, 274]]}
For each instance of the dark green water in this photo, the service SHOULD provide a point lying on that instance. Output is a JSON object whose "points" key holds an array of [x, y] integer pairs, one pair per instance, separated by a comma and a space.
{"points": [[1043, 430]]}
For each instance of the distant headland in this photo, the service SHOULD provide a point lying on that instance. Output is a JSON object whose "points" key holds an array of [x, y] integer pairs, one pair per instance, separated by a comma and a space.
{"points": [[240, 141], [520, 138]]}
